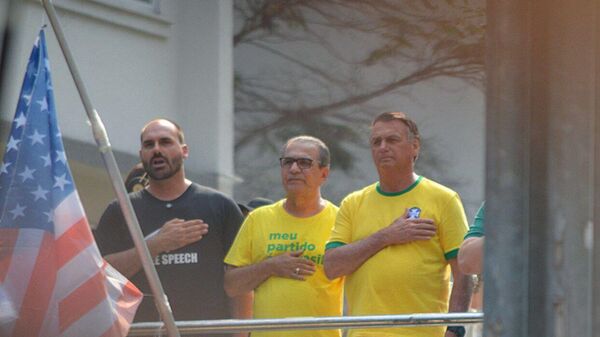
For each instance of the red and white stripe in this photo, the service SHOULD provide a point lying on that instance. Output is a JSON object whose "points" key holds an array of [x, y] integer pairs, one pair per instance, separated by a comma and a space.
{"points": [[60, 285]]}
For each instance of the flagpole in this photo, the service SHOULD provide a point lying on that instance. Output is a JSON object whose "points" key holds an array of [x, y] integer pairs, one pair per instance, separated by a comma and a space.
{"points": [[101, 137]]}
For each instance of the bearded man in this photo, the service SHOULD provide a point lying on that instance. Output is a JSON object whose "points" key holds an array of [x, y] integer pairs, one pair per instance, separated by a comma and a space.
{"points": [[188, 229]]}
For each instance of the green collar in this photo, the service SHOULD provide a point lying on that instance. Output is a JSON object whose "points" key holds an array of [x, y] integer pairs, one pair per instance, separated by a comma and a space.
{"points": [[395, 194]]}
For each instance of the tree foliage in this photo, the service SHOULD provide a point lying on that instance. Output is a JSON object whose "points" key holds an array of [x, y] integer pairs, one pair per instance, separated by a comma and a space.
{"points": [[332, 60], [323, 67]]}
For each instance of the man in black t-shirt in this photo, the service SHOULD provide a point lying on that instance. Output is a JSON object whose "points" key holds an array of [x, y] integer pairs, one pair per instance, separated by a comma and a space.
{"points": [[188, 229]]}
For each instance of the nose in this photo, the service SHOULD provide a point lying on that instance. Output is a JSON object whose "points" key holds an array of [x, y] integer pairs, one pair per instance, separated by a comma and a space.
{"points": [[156, 149], [295, 167]]}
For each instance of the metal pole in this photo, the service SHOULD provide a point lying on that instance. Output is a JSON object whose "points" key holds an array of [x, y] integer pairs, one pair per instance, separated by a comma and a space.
{"points": [[160, 299], [312, 323]]}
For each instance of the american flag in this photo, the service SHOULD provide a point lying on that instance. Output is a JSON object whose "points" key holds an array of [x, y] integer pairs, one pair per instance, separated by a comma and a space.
{"points": [[51, 272]]}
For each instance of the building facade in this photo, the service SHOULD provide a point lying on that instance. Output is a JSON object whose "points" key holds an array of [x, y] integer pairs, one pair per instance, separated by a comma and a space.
{"points": [[139, 59]]}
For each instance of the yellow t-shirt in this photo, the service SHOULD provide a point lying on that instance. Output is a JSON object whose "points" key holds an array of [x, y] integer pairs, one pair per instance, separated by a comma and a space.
{"points": [[269, 231], [406, 278]]}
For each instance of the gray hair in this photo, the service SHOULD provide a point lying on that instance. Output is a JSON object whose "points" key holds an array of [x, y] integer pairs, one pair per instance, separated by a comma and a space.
{"points": [[324, 155]]}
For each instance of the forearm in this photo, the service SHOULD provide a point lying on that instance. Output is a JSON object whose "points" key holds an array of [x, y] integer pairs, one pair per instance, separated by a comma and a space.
{"points": [[344, 260], [128, 262], [241, 305], [241, 308], [242, 280], [462, 288]]}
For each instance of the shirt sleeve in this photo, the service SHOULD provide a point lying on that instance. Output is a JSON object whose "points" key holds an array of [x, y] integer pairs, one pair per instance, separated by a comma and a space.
{"points": [[453, 226], [112, 235], [233, 218], [240, 253], [477, 229], [342, 230]]}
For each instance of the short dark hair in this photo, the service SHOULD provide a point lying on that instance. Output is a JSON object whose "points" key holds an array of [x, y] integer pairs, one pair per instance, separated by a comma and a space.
{"points": [[324, 155], [402, 117], [180, 135]]}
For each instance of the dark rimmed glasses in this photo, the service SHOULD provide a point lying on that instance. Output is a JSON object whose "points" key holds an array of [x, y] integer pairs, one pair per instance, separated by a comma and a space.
{"points": [[303, 163]]}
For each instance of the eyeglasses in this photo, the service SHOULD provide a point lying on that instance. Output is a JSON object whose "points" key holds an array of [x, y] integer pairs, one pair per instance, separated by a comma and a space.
{"points": [[303, 163]]}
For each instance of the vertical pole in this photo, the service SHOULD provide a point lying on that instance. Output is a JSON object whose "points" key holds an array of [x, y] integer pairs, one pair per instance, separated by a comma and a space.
{"points": [[507, 179], [104, 146], [596, 183], [542, 266]]}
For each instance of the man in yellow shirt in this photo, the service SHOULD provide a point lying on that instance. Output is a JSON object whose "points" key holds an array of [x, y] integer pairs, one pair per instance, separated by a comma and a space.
{"points": [[396, 241], [278, 252]]}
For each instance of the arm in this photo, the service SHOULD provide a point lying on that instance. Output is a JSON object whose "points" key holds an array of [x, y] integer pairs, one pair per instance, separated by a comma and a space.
{"points": [[128, 262], [346, 259], [470, 255], [241, 308], [462, 287], [241, 305], [240, 280], [174, 234]]}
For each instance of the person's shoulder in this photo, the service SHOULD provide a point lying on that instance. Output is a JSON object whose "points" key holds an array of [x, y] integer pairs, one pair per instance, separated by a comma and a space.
{"points": [[481, 210], [114, 205], [331, 206], [203, 189], [268, 210], [209, 192], [435, 187], [265, 215], [361, 193], [331, 210]]}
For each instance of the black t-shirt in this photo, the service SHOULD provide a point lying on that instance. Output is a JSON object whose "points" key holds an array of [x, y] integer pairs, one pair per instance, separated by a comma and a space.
{"points": [[192, 276]]}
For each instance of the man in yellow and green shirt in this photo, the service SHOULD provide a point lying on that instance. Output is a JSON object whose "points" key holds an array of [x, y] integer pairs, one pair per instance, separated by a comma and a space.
{"points": [[279, 250], [396, 241]]}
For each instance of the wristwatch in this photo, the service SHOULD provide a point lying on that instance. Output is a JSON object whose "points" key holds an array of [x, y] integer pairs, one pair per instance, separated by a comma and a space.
{"points": [[458, 330]]}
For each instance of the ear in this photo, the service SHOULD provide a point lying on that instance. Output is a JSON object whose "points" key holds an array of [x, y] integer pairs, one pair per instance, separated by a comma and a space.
{"points": [[324, 173], [416, 148], [186, 151]]}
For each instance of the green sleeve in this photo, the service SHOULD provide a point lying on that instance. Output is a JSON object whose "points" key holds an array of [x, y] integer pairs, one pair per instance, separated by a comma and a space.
{"points": [[477, 229]]}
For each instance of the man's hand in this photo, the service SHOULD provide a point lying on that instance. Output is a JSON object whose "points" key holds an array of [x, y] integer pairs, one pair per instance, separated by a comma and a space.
{"points": [[178, 233], [291, 265], [346, 259], [405, 230], [240, 280], [450, 334], [172, 235]]}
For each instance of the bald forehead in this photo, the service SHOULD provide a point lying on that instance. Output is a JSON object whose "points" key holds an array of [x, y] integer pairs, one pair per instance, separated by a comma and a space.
{"points": [[158, 126]]}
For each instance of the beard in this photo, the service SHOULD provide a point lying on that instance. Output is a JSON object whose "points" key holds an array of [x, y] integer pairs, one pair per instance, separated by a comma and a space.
{"points": [[171, 167]]}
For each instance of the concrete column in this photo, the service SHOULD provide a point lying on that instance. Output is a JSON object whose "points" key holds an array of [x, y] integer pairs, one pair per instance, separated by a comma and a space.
{"points": [[596, 210], [508, 137], [205, 89], [540, 185]]}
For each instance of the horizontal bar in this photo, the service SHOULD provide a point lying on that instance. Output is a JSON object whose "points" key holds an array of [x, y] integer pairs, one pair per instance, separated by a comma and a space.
{"points": [[301, 323]]}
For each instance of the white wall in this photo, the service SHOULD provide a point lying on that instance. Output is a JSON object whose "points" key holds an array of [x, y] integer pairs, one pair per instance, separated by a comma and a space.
{"points": [[138, 65], [204, 88]]}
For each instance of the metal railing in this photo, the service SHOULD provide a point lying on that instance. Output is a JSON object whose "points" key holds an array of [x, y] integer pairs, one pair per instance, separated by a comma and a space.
{"points": [[304, 323]]}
